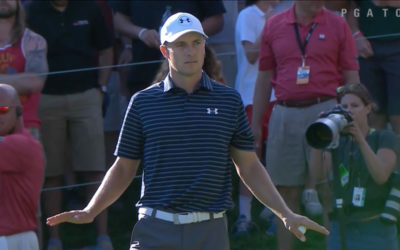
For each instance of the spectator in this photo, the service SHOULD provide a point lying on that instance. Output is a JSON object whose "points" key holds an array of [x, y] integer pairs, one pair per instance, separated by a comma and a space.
{"points": [[134, 18], [249, 26], [70, 107], [306, 53], [22, 60], [367, 157], [185, 128], [378, 43], [21, 175]]}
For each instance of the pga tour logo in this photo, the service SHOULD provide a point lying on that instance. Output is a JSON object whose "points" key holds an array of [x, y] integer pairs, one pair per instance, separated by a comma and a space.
{"points": [[369, 13]]}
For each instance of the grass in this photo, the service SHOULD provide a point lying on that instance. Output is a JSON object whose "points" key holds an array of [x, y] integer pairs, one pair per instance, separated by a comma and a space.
{"points": [[123, 216]]}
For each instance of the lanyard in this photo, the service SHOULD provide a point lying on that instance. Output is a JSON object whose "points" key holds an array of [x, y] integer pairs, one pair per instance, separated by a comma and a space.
{"points": [[308, 36]]}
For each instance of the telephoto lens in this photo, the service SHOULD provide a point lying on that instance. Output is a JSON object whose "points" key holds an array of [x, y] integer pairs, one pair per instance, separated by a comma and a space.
{"points": [[324, 133]]}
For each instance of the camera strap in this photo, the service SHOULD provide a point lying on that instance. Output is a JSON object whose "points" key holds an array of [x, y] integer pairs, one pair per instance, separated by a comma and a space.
{"points": [[338, 186]]}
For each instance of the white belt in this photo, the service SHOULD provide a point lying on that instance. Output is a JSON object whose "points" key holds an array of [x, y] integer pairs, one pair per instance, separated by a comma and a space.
{"points": [[179, 218]]}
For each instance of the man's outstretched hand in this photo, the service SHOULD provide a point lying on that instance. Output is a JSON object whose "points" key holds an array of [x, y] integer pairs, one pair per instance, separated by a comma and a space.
{"points": [[296, 223], [74, 216]]}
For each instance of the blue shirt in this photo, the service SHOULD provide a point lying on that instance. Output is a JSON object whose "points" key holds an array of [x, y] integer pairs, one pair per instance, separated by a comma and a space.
{"points": [[183, 140]]}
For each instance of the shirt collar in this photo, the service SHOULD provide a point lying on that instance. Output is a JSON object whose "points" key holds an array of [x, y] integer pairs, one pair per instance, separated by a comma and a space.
{"points": [[291, 17], [205, 83]]}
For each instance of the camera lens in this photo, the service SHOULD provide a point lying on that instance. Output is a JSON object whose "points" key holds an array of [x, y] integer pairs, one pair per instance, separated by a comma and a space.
{"points": [[319, 135]]}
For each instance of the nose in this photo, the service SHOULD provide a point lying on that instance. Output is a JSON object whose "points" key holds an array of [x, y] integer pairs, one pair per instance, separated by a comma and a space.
{"points": [[190, 50]]}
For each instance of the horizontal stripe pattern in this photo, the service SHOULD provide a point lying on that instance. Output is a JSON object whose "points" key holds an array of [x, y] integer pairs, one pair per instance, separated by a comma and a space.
{"points": [[183, 141]]}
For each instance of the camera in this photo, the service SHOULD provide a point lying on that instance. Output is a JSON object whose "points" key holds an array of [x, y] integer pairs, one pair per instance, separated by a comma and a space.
{"points": [[324, 133]]}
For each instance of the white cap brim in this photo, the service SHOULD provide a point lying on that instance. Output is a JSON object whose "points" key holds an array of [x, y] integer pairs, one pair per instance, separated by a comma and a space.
{"points": [[179, 34]]}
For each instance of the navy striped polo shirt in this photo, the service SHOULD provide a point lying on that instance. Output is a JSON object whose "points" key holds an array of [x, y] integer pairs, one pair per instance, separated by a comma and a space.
{"points": [[183, 141]]}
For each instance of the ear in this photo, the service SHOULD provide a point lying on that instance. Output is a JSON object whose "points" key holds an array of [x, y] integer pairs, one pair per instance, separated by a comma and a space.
{"points": [[164, 51], [369, 108]]}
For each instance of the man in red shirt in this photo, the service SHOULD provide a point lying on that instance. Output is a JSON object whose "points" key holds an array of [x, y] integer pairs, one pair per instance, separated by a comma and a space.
{"points": [[306, 53], [21, 173]]}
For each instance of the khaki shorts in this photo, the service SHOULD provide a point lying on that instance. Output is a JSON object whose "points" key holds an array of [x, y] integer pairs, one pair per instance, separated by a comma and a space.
{"points": [[21, 241], [74, 120], [287, 156]]}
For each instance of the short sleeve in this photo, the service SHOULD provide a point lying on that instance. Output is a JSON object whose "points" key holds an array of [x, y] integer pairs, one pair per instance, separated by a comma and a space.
{"points": [[348, 50], [131, 139], [243, 137], [101, 34], [267, 59], [387, 139], [246, 28]]}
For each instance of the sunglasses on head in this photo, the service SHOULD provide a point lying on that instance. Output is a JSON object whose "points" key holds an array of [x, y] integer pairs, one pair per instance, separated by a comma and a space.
{"points": [[4, 109]]}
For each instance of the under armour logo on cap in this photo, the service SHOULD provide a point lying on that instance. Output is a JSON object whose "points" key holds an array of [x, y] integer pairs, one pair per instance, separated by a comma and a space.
{"points": [[179, 24], [185, 20]]}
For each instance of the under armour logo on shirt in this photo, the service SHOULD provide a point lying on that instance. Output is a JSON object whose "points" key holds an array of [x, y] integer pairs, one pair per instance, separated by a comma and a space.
{"points": [[213, 111]]}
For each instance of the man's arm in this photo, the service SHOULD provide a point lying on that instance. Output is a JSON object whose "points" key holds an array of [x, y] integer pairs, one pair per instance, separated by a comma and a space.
{"points": [[387, 3], [213, 24], [320, 164], [32, 80], [115, 182], [351, 76], [256, 178], [262, 94], [123, 25], [364, 47], [105, 59]]}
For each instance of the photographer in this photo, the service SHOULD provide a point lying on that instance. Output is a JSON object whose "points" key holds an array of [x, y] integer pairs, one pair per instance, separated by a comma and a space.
{"points": [[362, 164]]}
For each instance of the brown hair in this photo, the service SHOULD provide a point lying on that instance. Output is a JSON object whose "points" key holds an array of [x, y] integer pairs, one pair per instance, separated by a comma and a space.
{"points": [[212, 66], [358, 90], [19, 24]]}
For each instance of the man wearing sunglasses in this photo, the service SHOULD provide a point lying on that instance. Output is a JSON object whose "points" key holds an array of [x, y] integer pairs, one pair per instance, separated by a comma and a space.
{"points": [[21, 173]]}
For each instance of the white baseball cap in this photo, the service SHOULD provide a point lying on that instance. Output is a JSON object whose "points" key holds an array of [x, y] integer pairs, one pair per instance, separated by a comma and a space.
{"points": [[179, 24]]}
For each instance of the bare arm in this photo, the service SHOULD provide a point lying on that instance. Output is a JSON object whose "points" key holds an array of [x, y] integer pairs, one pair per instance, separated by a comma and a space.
{"points": [[105, 59], [262, 94], [387, 3], [381, 164], [364, 47], [123, 25], [126, 53], [351, 76], [256, 178], [213, 24], [32, 80], [115, 182], [320, 164], [251, 50]]}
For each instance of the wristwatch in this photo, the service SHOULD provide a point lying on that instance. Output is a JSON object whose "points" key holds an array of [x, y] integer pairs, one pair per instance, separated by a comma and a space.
{"points": [[103, 88]]}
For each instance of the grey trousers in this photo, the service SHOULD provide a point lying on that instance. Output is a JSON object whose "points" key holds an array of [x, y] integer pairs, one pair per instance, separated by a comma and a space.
{"points": [[154, 234]]}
